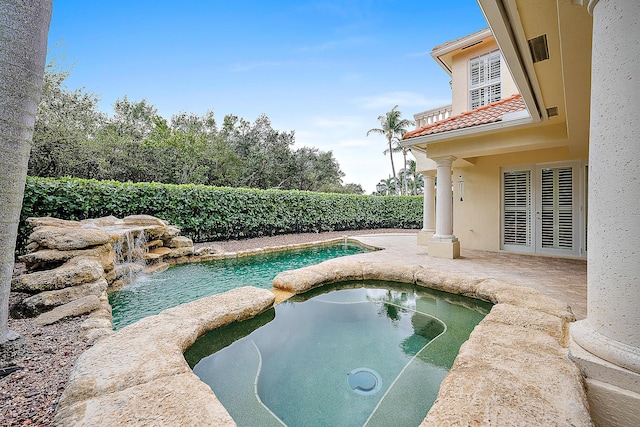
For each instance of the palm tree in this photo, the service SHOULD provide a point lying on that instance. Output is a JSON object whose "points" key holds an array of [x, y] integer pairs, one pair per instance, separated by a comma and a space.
{"points": [[417, 182], [24, 30], [392, 125]]}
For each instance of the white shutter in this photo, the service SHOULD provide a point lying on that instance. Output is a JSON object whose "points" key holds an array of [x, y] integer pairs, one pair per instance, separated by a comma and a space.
{"points": [[484, 80], [517, 208], [557, 208]]}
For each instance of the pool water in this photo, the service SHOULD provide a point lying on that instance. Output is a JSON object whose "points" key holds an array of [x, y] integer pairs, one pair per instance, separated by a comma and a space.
{"points": [[295, 364], [150, 294]]}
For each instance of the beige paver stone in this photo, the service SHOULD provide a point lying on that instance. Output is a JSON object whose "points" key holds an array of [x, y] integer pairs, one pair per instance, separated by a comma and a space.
{"points": [[298, 281], [138, 375], [68, 238], [76, 307], [445, 281], [179, 242], [530, 319], [388, 271], [507, 375], [143, 220], [177, 400], [44, 258], [48, 221], [74, 272], [47, 300]]}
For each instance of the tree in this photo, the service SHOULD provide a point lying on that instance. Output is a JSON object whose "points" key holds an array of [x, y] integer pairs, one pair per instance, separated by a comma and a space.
{"points": [[24, 28], [66, 121], [392, 125]]}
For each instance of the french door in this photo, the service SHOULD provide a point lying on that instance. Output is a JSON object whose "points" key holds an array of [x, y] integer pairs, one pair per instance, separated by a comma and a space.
{"points": [[541, 209]]}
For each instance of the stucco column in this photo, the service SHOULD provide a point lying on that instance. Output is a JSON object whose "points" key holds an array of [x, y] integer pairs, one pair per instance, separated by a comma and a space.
{"points": [[611, 330], [428, 209], [444, 244]]}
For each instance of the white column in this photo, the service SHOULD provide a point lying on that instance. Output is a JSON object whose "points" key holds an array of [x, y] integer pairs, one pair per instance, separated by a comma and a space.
{"points": [[606, 345], [444, 244], [428, 210], [444, 200], [611, 330], [429, 204]]}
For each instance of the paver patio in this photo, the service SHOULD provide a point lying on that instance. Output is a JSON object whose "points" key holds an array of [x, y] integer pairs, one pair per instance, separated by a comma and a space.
{"points": [[560, 278]]}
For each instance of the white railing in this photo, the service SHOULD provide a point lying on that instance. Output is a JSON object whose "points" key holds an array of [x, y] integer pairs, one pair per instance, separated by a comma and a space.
{"points": [[431, 116]]}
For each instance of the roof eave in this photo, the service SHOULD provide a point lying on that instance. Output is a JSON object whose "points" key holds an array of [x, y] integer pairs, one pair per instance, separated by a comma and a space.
{"points": [[504, 21], [438, 53], [420, 142]]}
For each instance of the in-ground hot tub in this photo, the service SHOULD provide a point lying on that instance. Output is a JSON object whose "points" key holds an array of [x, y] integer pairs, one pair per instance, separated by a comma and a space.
{"points": [[350, 354]]}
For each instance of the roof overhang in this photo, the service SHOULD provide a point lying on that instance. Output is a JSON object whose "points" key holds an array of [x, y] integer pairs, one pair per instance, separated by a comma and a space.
{"points": [[504, 20], [443, 54], [517, 120], [562, 81]]}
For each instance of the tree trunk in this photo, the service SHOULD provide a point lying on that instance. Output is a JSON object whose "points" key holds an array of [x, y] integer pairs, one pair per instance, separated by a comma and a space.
{"points": [[24, 27], [404, 185], [393, 166]]}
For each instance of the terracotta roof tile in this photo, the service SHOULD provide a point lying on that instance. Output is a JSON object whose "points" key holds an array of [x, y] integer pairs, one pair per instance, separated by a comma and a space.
{"points": [[490, 113]]}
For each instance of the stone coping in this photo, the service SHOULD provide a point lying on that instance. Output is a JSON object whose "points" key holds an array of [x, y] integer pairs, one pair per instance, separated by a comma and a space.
{"points": [[513, 370]]}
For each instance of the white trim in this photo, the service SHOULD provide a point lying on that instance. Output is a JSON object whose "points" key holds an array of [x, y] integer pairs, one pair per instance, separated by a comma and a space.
{"points": [[458, 44], [461, 133], [531, 235], [578, 209], [484, 63], [503, 19], [578, 237]]}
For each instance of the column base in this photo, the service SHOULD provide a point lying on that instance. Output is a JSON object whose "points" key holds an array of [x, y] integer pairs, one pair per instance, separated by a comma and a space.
{"points": [[424, 236], [448, 249], [613, 351], [613, 392]]}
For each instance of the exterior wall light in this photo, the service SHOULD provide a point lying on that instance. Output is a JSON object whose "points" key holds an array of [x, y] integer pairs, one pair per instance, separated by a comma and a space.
{"points": [[460, 187]]}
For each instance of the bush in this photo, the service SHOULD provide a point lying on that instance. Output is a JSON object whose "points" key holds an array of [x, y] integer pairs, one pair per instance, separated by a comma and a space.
{"points": [[206, 213]]}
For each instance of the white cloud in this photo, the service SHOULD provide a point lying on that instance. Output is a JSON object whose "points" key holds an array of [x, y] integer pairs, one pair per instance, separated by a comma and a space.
{"points": [[354, 142], [338, 123]]}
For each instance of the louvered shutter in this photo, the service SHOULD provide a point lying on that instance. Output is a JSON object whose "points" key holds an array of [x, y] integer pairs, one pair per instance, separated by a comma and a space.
{"points": [[557, 208], [484, 80], [517, 208]]}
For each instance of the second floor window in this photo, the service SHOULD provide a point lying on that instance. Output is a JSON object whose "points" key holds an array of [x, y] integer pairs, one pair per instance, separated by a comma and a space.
{"points": [[484, 80]]}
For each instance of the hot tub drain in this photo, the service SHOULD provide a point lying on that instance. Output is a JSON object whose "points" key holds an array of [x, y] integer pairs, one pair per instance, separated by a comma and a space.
{"points": [[364, 381]]}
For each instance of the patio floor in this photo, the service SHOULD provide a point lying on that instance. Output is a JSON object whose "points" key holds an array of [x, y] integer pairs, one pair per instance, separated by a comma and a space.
{"points": [[560, 278]]}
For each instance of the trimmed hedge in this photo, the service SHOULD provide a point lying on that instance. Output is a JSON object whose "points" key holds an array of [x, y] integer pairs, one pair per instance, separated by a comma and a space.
{"points": [[206, 213]]}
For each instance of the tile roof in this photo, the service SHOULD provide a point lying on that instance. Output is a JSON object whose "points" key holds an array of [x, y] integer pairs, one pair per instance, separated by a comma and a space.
{"points": [[490, 113], [449, 43]]}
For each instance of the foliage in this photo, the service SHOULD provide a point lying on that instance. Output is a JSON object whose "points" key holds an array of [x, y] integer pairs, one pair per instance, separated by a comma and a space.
{"points": [[207, 213], [73, 138], [392, 126]]}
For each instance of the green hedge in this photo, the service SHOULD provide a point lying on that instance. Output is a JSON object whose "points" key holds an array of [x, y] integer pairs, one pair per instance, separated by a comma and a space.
{"points": [[212, 213]]}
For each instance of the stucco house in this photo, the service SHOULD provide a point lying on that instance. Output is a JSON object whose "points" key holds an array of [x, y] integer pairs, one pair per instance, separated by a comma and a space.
{"points": [[541, 146]]}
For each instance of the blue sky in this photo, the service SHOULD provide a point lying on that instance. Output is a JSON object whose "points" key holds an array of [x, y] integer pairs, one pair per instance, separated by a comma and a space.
{"points": [[326, 69]]}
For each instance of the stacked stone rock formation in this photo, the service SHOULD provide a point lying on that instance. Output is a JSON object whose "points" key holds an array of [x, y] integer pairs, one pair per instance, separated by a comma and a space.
{"points": [[72, 265]]}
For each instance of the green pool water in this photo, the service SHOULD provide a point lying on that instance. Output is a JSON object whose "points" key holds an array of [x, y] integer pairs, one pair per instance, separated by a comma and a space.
{"points": [[292, 365], [151, 294]]}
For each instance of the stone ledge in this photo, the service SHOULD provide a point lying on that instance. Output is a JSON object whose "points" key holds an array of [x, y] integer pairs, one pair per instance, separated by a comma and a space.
{"points": [[513, 370], [138, 376]]}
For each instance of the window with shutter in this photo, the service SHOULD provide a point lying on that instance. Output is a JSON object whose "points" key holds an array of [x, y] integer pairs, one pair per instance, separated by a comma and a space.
{"points": [[557, 208], [517, 208], [484, 80], [541, 209]]}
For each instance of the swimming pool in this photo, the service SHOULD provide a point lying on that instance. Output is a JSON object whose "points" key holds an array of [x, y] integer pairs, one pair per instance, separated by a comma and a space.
{"points": [[351, 354], [151, 294]]}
